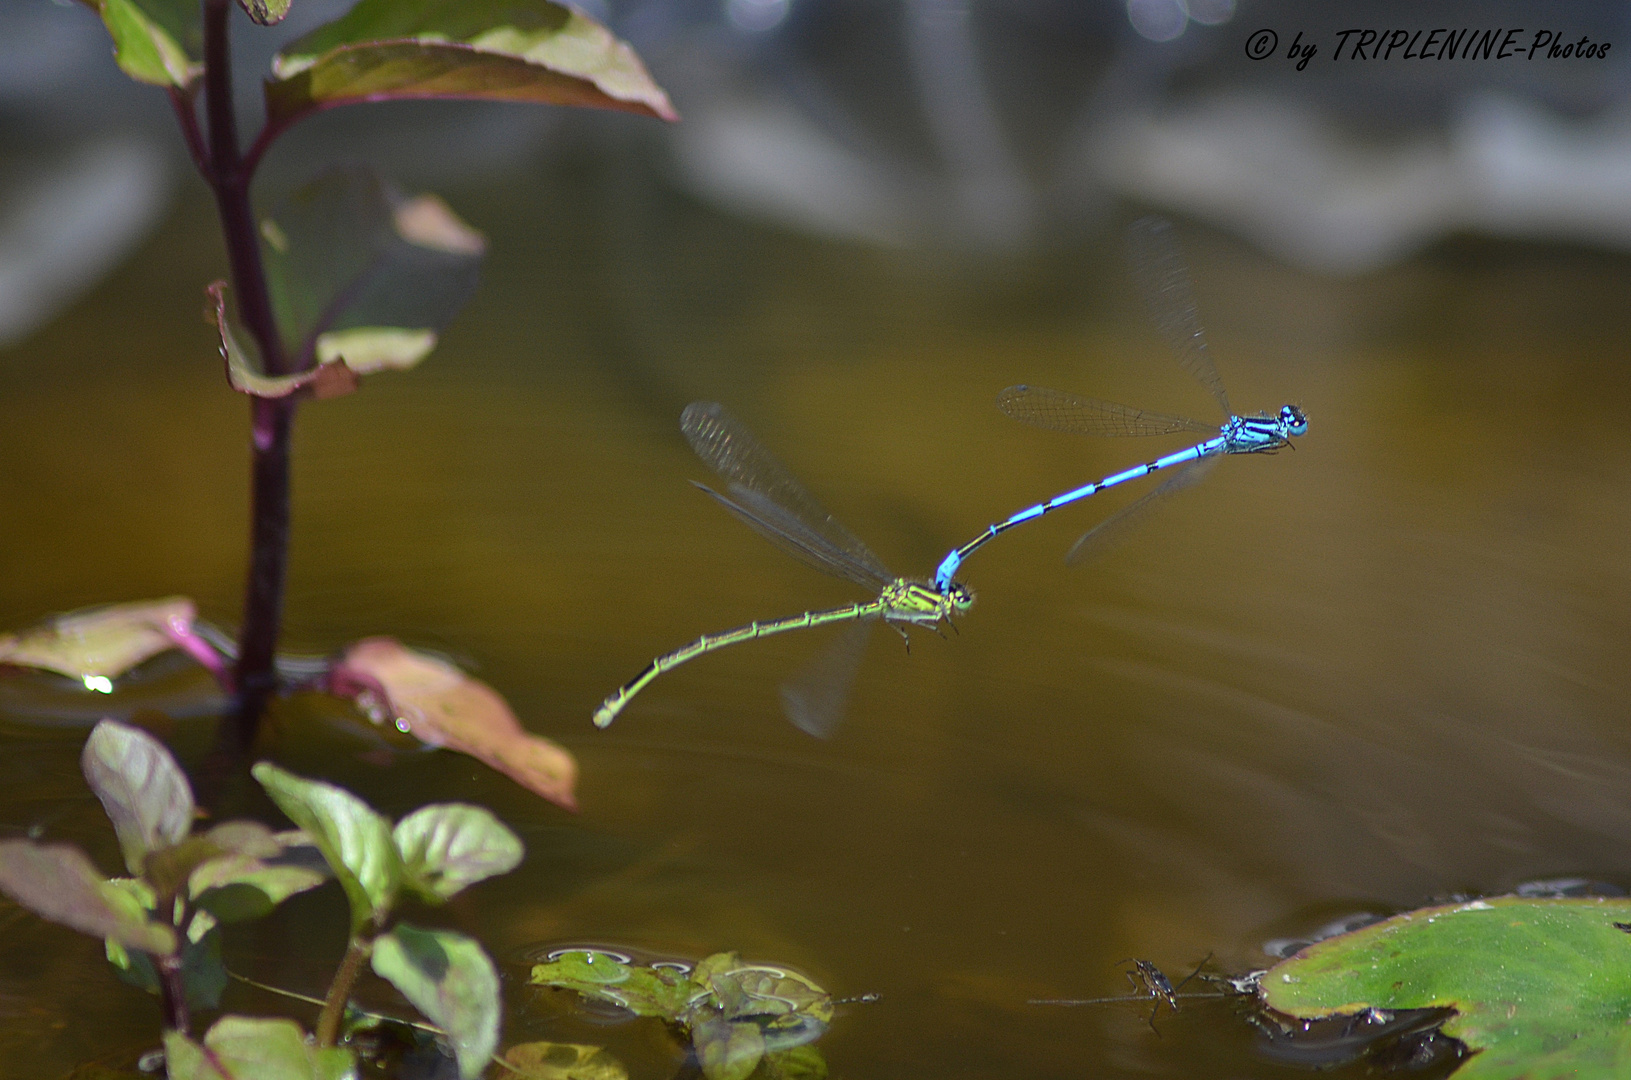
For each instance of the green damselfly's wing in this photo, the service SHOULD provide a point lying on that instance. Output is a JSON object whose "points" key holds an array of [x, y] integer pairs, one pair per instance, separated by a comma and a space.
{"points": [[1114, 529], [766, 497], [1059, 411], [1159, 271], [814, 698]]}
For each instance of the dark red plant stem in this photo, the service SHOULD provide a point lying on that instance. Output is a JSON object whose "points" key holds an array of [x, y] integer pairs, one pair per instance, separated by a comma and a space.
{"points": [[182, 101], [173, 993], [229, 176]]}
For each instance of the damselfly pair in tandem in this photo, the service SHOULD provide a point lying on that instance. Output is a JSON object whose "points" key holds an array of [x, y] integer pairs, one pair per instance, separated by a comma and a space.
{"points": [[764, 495]]}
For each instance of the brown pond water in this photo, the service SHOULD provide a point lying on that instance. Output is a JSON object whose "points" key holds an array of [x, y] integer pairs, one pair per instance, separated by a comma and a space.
{"points": [[1390, 666]]}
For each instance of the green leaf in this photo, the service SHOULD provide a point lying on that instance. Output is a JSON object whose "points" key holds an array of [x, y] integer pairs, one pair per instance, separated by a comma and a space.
{"points": [[355, 840], [449, 979], [251, 1048], [1541, 988], [661, 992], [442, 706], [99, 644], [143, 790], [361, 272], [247, 883], [728, 1051], [448, 846], [563, 1061], [155, 41], [247, 373], [493, 50], [265, 12], [57, 882], [203, 973]]}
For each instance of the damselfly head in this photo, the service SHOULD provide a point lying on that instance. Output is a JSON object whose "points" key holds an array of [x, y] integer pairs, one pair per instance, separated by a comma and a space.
{"points": [[1293, 420], [960, 595]]}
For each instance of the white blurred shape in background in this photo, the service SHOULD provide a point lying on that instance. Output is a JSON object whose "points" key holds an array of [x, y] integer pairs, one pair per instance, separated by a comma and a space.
{"points": [[756, 16], [63, 227]]}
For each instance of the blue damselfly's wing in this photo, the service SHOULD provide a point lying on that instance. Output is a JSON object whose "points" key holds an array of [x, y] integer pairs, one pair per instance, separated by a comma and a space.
{"points": [[1059, 411], [1159, 271], [814, 698], [1115, 528], [766, 497]]}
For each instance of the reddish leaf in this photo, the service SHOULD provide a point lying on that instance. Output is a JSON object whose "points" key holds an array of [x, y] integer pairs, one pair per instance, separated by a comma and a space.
{"points": [[442, 706], [99, 644]]}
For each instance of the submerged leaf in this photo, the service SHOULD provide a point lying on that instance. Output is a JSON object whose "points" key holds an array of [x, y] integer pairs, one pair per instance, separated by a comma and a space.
{"points": [[442, 706], [450, 979], [494, 50], [563, 1061], [154, 41], [360, 272], [1541, 987], [102, 643], [728, 1051], [448, 846], [57, 882], [799, 1063], [354, 838], [143, 790]]}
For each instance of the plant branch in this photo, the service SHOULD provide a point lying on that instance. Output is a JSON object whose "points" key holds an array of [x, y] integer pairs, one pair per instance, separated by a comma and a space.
{"points": [[229, 176], [328, 1022], [184, 104]]}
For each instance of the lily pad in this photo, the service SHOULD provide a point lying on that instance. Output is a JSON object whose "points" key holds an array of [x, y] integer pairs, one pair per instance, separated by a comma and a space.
{"points": [[563, 1061], [451, 980], [362, 273], [97, 645], [493, 50], [442, 706], [1541, 987]]}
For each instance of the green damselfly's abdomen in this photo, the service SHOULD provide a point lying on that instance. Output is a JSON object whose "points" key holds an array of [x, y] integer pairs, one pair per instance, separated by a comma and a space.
{"points": [[901, 601]]}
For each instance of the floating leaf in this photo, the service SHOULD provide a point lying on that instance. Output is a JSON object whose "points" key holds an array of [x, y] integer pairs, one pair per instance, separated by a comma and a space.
{"points": [[154, 41], [563, 1061], [250, 1048], [663, 992], [247, 373], [1541, 988], [57, 882], [442, 706], [265, 12], [493, 50], [143, 790], [360, 272], [448, 846], [100, 644], [727, 1050], [449, 978], [355, 839]]}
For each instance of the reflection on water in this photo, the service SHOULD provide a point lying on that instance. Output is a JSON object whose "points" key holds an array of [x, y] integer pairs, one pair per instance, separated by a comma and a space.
{"points": [[1389, 666]]}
